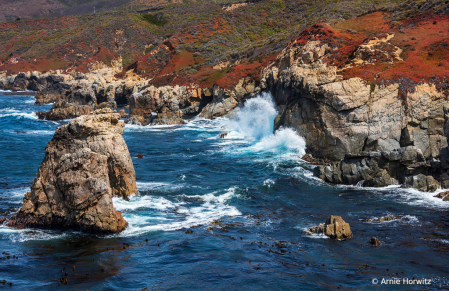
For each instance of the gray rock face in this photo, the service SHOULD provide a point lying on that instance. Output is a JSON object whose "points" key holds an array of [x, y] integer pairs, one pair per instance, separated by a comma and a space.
{"points": [[369, 131], [86, 163], [406, 166], [78, 100]]}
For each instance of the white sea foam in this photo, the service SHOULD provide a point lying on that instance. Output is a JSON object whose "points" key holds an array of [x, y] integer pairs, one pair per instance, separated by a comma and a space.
{"points": [[151, 128], [204, 209], [144, 201], [254, 124], [255, 120], [22, 235], [159, 186], [283, 139], [268, 183], [404, 195], [13, 113]]}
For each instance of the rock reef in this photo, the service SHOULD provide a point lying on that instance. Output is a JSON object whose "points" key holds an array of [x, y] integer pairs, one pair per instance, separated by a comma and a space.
{"points": [[86, 164], [334, 227]]}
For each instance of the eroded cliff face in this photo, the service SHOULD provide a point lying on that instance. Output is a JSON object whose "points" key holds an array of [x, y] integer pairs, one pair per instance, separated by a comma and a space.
{"points": [[365, 125], [86, 163], [75, 94], [167, 104]]}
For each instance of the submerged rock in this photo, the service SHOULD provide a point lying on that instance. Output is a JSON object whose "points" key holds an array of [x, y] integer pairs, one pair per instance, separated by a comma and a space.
{"points": [[86, 163], [334, 227]]}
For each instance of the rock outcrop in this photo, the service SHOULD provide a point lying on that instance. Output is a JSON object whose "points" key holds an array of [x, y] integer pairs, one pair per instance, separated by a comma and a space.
{"points": [[406, 166], [166, 105], [381, 133], [86, 163], [226, 100], [79, 99], [79, 94], [334, 227]]}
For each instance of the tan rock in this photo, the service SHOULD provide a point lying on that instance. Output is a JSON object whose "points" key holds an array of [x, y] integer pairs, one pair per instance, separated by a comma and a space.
{"points": [[86, 163], [334, 227]]}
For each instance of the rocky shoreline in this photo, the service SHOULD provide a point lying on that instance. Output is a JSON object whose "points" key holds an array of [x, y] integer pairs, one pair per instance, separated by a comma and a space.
{"points": [[359, 130]]}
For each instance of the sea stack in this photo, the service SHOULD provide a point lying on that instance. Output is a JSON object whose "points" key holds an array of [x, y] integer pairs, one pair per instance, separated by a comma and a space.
{"points": [[86, 163]]}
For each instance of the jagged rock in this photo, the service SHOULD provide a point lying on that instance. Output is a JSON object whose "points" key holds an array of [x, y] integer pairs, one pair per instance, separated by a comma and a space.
{"points": [[223, 135], [158, 105], [41, 114], [315, 161], [51, 87], [223, 102], [78, 100], [109, 104], [421, 182], [334, 227], [2, 220], [86, 163]]}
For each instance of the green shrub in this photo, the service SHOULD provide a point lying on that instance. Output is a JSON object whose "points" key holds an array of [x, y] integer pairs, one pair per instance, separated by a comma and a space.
{"points": [[154, 19]]}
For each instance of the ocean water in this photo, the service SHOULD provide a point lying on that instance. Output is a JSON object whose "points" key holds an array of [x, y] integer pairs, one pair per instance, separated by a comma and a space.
{"points": [[218, 214]]}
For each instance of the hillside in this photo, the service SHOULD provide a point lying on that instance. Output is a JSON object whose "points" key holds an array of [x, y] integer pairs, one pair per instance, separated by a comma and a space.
{"points": [[10, 10], [206, 40]]}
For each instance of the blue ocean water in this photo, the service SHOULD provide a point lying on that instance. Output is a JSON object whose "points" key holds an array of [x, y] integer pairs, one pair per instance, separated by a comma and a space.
{"points": [[221, 214]]}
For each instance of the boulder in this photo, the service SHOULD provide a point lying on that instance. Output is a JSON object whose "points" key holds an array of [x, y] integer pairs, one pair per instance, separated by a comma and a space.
{"points": [[334, 227], [86, 164]]}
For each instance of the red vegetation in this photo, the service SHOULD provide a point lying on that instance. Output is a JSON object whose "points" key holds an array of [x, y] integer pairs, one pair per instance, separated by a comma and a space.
{"points": [[423, 42]]}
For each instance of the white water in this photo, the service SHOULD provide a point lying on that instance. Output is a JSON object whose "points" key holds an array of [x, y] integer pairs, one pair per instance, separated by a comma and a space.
{"points": [[166, 215], [254, 124], [250, 131]]}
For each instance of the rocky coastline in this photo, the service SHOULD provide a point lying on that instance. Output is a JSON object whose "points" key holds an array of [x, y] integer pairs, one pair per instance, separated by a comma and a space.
{"points": [[359, 130]]}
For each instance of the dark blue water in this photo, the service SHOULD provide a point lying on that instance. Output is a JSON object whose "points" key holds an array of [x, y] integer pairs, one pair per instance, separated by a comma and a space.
{"points": [[220, 214]]}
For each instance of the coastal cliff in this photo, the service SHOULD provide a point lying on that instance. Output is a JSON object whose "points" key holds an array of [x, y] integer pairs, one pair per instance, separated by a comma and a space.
{"points": [[347, 94], [86, 164]]}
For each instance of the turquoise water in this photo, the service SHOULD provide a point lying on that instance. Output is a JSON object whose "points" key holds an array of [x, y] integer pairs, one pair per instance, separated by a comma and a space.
{"points": [[222, 214]]}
